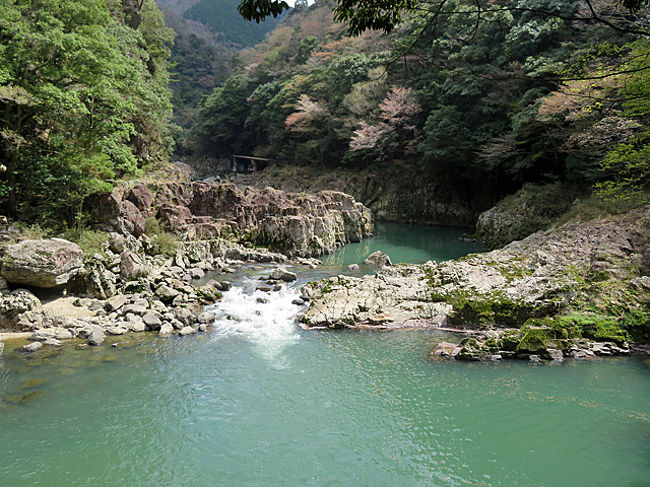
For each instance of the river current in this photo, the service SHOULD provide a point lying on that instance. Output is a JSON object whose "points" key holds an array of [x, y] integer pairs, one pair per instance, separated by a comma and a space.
{"points": [[258, 401]]}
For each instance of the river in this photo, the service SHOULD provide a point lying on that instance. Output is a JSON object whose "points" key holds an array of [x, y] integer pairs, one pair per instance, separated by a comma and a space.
{"points": [[260, 402]]}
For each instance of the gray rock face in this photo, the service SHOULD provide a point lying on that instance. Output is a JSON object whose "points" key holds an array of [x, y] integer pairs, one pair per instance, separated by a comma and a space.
{"points": [[378, 259], [42, 263], [132, 266], [96, 336], [295, 224], [2, 348], [14, 304], [32, 347], [281, 274]]}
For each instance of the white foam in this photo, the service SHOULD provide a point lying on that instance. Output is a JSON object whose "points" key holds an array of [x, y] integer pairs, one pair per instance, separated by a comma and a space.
{"points": [[268, 318]]}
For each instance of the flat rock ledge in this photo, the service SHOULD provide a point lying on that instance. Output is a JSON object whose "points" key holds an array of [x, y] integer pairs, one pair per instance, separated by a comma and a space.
{"points": [[584, 280]]}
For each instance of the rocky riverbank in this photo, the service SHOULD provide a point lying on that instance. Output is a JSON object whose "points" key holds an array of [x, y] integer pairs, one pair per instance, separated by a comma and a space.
{"points": [[128, 285], [564, 289]]}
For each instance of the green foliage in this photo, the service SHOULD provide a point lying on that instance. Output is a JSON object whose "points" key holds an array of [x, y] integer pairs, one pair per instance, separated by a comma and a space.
{"points": [[162, 242], [637, 324], [197, 67], [223, 17], [83, 99], [91, 241]]}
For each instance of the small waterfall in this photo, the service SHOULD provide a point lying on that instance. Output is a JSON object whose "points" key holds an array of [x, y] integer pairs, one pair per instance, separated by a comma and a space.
{"points": [[264, 317]]}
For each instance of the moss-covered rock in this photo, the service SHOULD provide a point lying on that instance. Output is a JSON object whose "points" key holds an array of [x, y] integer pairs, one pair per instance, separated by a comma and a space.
{"points": [[637, 324], [533, 341], [509, 340]]}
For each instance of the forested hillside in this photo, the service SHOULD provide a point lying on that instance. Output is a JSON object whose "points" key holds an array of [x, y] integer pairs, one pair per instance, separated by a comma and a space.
{"points": [[488, 98], [207, 35], [479, 97], [222, 17], [84, 98]]}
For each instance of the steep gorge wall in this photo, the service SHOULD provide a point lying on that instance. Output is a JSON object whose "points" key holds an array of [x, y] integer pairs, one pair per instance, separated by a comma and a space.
{"points": [[400, 194]]}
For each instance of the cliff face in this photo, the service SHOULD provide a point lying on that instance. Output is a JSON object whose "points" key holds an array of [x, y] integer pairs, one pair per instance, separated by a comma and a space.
{"points": [[295, 224], [400, 194]]}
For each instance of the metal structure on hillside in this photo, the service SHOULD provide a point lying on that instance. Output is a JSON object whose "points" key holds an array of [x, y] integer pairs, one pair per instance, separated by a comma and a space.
{"points": [[248, 164]]}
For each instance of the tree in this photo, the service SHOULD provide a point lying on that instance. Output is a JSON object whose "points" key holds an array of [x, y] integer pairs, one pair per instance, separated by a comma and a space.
{"points": [[83, 98], [387, 138], [385, 15]]}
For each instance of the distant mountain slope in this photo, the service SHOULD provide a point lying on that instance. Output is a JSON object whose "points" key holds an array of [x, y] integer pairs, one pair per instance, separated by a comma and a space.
{"points": [[222, 17]]}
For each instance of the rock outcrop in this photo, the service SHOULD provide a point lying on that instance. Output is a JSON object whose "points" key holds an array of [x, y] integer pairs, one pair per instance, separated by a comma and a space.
{"points": [[599, 270], [13, 304], [531, 209], [294, 224], [378, 259], [399, 193], [41, 263]]}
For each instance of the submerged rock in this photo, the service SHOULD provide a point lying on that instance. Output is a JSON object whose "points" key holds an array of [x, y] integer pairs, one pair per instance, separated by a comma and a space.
{"points": [[42, 263], [32, 347]]}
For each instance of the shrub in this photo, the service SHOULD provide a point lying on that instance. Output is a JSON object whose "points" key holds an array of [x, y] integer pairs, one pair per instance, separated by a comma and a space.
{"points": [[162, 242]]}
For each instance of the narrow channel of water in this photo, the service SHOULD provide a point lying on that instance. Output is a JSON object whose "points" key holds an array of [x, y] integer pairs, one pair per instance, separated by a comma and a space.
{"points": [[258, 401]]}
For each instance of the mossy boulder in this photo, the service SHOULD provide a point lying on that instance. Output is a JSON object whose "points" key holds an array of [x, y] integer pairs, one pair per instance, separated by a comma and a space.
{"points": [[471, 350], [533, 341], [473, 314], [509, 340]]}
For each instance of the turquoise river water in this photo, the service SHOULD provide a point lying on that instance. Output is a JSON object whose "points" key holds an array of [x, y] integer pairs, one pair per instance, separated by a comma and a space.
{"points": [[258, 401]]}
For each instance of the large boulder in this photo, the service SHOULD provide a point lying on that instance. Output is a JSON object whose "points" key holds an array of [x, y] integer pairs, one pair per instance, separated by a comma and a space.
{"points": [[12, 305], [378, 259], [140, 196], [42, 263], [131, 220], [110, 210], [132, 266]]}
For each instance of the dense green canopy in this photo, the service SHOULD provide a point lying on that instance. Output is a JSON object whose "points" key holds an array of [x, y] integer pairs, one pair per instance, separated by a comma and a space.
{"points": [[83, 98], [485, 99]]}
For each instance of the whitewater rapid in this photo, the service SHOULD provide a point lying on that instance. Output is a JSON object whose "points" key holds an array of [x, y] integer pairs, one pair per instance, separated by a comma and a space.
{"points": [[269, 320]]}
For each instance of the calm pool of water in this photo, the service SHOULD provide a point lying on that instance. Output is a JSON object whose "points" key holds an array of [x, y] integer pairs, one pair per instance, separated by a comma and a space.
{"points": [[407, 243], [260, 402]]}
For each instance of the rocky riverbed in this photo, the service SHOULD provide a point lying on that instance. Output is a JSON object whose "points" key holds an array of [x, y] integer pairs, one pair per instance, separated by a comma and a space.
{"points": [[129, 286], [558, 292]]}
